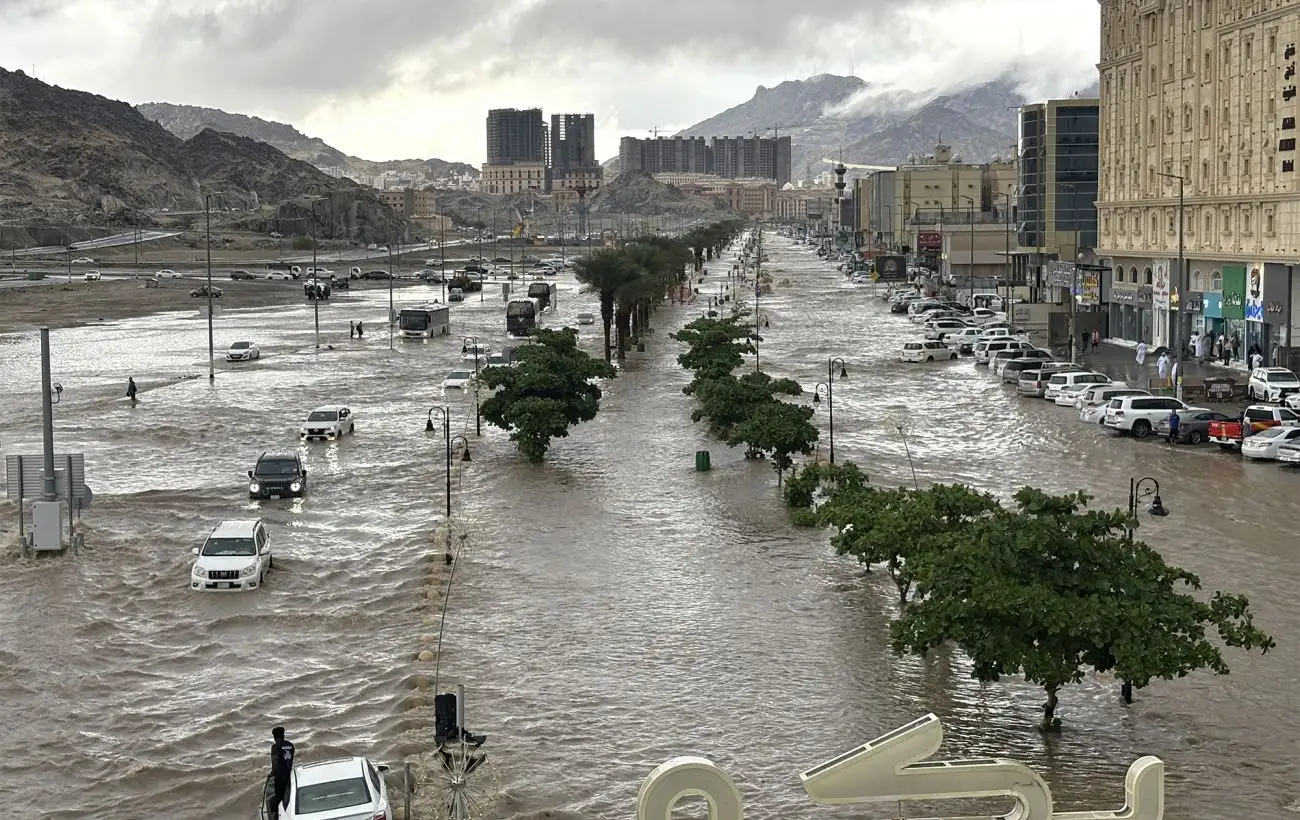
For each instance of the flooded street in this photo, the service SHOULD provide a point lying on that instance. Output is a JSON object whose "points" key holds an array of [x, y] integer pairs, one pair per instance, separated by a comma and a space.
{"points": [[615, 608]]}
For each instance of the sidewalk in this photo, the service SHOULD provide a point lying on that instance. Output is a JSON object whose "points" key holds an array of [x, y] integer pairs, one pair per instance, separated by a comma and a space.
{"points": [[1119, 361]]}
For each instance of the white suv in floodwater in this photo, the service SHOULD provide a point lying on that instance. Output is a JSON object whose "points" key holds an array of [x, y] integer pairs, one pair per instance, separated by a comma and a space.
{"points": [[235, 556]]}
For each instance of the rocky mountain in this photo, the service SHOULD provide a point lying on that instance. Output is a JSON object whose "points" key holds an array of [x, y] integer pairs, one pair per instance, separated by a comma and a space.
{"points": [[870, 125], [187, 120], [642, 194], [78, 156]]}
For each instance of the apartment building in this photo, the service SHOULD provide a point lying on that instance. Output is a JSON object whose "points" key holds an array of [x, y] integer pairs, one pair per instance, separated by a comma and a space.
{"points": [[409, 202], [665, 155], [573, 142], [740, 157], [1204, 94], [516, 135], [514, 178]]}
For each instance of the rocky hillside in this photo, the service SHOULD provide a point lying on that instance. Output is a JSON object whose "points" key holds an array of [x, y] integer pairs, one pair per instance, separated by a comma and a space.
{"points": [[642, 194], [75, 152], [81, 157], [877, 126], [187, 120]]}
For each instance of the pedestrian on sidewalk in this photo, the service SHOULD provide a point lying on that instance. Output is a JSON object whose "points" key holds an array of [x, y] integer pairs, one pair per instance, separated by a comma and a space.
{"points": [[1162, 367], [1225, 349], [1236, 346], [1194, 344], [1174, 422], [1142, 353], [1096, 338], [1256, 357]]}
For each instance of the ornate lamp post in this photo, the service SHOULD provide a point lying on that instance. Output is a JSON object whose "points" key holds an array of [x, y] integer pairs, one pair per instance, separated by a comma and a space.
{"points": [[444, 415], [828, 388], [468, 344]]}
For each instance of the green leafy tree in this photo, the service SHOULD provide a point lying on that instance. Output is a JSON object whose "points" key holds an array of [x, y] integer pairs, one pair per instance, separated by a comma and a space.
{"points": [[778, 430], [1051, 590], [715, 346], [728, 401], [896, 528], [303, 243], [606, 272], [548, 392]]}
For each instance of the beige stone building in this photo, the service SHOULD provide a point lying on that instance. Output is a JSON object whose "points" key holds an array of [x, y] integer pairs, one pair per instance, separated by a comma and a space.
{"points": [[1205, 91], [410, 203], [513, 178]]}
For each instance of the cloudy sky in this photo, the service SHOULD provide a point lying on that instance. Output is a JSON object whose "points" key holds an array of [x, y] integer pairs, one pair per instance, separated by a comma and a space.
{"points": [[389, 79]]}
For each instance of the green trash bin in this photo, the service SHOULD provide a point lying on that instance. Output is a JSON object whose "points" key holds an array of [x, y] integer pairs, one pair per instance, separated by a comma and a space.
{"points": [[702, 461]]}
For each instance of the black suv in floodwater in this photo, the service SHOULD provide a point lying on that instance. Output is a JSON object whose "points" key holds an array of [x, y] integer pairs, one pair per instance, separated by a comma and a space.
{"points": [[278, 475]]}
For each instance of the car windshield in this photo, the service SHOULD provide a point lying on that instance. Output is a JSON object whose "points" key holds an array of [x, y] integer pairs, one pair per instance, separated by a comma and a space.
{"points": [[458, 374], [324, 415], [340, 794], [229, 547], [276, 467], [241, 345]]}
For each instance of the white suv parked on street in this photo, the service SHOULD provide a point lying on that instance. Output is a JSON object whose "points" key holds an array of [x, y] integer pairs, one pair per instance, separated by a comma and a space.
{"points": [[1139, 415], [984, 350], [235, 557]]}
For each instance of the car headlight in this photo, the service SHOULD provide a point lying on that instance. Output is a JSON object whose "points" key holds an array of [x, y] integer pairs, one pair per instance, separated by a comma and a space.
{"points": [[295, 486], [200, 572], [251, 569], [254, 487]]}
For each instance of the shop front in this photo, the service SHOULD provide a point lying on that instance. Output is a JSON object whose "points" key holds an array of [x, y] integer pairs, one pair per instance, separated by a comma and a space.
{"points": [[1213, 314], [1130, 312], [1194, 304], [1275, 304], [1234, 306]]}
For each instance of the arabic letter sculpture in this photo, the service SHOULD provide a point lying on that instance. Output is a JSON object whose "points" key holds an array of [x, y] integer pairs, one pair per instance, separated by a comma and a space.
{"points": [[688, 777]]}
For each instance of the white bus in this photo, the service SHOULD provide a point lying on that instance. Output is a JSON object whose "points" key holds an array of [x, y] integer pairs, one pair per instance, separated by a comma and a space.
{"points": [[521, 316], [424, 321]]}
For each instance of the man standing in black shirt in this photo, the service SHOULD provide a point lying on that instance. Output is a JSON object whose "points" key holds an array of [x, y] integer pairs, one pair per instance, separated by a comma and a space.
{"points": [[281, 767]]}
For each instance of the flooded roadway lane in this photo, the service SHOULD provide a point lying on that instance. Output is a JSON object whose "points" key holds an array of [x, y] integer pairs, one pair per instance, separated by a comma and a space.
{"points": [[616, 608]]}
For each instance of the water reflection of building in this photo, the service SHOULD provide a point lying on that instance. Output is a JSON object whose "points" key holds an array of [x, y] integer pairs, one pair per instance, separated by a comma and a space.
{"points": [[1224, 120]]}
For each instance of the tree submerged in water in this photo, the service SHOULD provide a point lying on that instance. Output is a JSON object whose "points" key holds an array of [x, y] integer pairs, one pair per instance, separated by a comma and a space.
{"points": [[1047, 589], [550, 390]]}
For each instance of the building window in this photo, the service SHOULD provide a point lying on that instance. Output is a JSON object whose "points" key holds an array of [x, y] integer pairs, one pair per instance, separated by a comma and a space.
{"points": [[1151, 85], [1245, 166], [1245, 222], [1105, 224], [1268, 163], [1146, 276], [1271, 105], [1169, 121], [1227, 57], [1198, 281], [1248, 49], [1187, 118], [1170, 220], [1153, 231], [1205, 173], [1205, 122], [1216, 282], [1269, 227], [1151, 131], [1226, 219], [1225, 169], [1248, 110], [1119, 218], [1271, 46], [1207, 66], [1209, 225]]}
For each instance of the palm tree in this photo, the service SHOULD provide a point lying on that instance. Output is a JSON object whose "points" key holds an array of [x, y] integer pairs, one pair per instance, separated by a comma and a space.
{"points": [[606, 271]]}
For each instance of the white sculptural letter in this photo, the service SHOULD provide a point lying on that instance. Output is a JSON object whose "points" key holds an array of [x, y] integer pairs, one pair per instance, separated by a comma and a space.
{"points": [[894, 767]]}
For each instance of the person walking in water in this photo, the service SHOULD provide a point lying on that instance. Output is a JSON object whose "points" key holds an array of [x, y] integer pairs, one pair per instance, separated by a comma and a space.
{"points": [[1174, 422], [281, 767], [131, 388], [352, 330], [1141, 353], [360, 331], [1162, 367]]}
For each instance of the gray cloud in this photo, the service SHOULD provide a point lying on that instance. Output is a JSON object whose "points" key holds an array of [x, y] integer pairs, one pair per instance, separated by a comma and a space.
{"points": [[719, 31]]}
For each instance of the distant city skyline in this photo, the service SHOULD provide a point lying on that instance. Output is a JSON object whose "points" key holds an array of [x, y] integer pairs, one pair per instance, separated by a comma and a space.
{"points": [[411, 90]]}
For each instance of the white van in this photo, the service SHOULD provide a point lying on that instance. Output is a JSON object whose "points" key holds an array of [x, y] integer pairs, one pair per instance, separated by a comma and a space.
{"points": [[925, 351], [984, 350]]}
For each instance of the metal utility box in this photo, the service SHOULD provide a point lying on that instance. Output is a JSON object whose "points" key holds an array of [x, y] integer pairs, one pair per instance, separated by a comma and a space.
{"points": [[47, 526]]}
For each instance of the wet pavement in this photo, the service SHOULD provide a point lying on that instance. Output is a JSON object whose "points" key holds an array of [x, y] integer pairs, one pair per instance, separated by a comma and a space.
{"points": [[615, 607]]}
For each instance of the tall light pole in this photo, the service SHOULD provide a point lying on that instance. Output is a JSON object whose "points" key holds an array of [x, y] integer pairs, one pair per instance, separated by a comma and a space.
{"points": [[1074, 271], [315, 279], [828, 387], [450, 441], [478, 228], [970, 274], [391, 274], [1177, 331], [468, 344], [1007, 256], [207, 222]]}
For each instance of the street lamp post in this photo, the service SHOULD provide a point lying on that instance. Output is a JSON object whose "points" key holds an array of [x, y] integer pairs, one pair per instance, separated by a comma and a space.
{"points": [[391, 274], [478, 227], [1007, 253], [970, 274], [468, 344], [207, 222], [828, 387], [1139, 489], [444, 415], [1177, 336]]}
